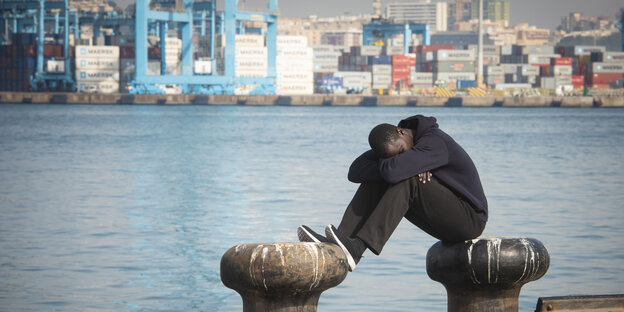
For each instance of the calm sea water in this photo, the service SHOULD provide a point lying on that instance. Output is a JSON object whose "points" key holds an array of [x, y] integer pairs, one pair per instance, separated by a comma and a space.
{"points": [[130, 208]]}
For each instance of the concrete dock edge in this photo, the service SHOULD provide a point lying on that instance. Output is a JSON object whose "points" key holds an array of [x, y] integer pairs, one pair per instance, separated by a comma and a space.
{"points": [[309, 100]]}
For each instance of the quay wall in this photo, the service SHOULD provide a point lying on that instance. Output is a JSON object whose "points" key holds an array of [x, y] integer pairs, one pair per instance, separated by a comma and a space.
{"points": [[310, 100]]}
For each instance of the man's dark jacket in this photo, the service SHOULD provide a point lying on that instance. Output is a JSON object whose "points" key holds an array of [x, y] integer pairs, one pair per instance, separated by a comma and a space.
{"points": [[433, 151]]}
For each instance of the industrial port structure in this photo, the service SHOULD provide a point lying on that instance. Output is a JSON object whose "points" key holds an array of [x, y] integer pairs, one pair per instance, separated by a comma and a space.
{"points": [[373, 68]]}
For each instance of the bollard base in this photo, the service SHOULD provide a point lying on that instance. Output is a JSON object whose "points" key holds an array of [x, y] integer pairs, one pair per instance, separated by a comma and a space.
{"points": [[490, 300], [287, 303]]}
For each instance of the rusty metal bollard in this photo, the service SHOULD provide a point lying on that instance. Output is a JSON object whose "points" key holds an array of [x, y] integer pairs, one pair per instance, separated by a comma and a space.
{"points": [[486, 274], [282, 276]]}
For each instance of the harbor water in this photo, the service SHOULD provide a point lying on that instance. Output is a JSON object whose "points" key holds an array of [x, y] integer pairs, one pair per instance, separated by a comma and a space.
{"points": [[130, 208]]}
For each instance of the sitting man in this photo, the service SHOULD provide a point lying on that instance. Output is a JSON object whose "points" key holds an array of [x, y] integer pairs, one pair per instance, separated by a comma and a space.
{"points": [[416, 171]]}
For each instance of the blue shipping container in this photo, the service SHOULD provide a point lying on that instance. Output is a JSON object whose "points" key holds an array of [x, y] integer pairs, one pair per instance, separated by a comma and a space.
{"points": [[332, 81], [382, 60], [464, 84]]}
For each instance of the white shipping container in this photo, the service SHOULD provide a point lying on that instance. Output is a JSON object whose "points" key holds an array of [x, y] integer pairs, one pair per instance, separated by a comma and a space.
{"points": [[488, 50], [395, 50], [97, 75], [319, 56], [295, 89], [295, 53], [454, 76], [562, 70], [106, 86], [382, 69], [251, 52], [511, 68], [370, 50], [249, 41], [298, 76], [173, 42], [382, 79], [325, 68], [202, 67], [98, 63], [607, 68], [97, 51], [289, 65], [454, 55], [249, 73], [355, 79], [324, 48], [613, 57], [495, 70], [539, 59], [421, 78], [586, 50], [529, 70], [291, 41]]}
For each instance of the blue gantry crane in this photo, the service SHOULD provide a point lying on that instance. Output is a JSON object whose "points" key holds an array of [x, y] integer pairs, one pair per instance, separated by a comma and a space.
{"points": [[183, 15], [30, 16], [382, 29]]}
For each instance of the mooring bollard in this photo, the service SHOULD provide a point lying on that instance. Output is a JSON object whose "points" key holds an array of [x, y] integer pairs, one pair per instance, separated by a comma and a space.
{"points": [[486, 274], [282, 276]]}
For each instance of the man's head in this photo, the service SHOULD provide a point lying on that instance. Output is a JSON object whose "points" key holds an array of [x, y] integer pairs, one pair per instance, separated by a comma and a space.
{"points": [[387, 140]]}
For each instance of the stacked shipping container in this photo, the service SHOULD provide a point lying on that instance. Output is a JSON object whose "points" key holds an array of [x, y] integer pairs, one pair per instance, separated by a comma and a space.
{"points": [[97, 69], [294, 66]]}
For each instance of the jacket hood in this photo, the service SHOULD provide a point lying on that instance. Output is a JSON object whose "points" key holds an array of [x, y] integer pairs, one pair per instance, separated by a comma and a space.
{"points": [[419, 123]]}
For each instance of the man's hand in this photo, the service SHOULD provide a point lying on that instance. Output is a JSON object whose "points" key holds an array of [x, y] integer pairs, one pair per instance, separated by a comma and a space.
{"points": [[424, 177]]}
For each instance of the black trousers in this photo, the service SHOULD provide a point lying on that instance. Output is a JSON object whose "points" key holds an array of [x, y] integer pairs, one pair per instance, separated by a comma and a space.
{"points": [[377, 209]]}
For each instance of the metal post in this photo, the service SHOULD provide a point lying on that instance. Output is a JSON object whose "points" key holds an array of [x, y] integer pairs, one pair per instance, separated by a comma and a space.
{"points": [[480, 51], [163, 29], [284, 277], [140, 33], [213, 22], [186, 30], [271, 42], [486, 274], [230, 36], [407, 34], [40, 39]]}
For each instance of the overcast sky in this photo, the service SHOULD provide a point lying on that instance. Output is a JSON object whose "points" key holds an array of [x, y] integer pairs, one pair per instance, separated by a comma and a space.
{"points": [[542, 13]]}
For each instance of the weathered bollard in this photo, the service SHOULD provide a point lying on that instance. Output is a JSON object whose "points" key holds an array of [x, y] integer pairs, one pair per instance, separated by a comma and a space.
{"points": [[486, 274], [282, 276]]}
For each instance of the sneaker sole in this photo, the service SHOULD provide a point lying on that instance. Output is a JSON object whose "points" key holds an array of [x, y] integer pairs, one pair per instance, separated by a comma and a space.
{"points": [[305, 236], [333, 237]]}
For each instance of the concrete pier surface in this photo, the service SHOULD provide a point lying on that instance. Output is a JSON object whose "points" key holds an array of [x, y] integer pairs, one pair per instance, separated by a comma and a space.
{"points": [[309, 100]]}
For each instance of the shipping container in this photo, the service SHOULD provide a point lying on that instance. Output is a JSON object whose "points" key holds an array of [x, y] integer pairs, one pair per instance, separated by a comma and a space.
{"points": [[561, 61], [603, 78], [355, 79], [403, 60], [421, 78], [367, 50], [490, 50], [528, 70], [382, 60], [284, 41], [495, 70], [394, 50], [382, 69], [96, 75], [106, 86], [562, 70], [97, 63], [578, 81], [583, 50], [433, 47], [296, 53], [295, 89], [495, 79], [98, 51], [454, 66], [454, 55], [324, 68], [298, 76], [532, 49], [244, 40], [454, 76], [607, 68]]}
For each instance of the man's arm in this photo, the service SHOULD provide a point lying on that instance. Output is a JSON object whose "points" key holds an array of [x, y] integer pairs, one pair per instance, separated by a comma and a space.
{"points": [[365, 168], [429, 153]]}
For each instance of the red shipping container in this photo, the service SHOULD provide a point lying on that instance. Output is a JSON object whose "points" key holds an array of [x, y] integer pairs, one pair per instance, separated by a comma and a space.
{"points": [[566, 61], [435, 47], [400, 70], [403, 60], [546, 71], [604, 78], [578, 81], [600, 86]]}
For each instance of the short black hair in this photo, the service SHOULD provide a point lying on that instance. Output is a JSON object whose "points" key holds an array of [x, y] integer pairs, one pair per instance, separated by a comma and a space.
{"points": [[380, 138]]}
